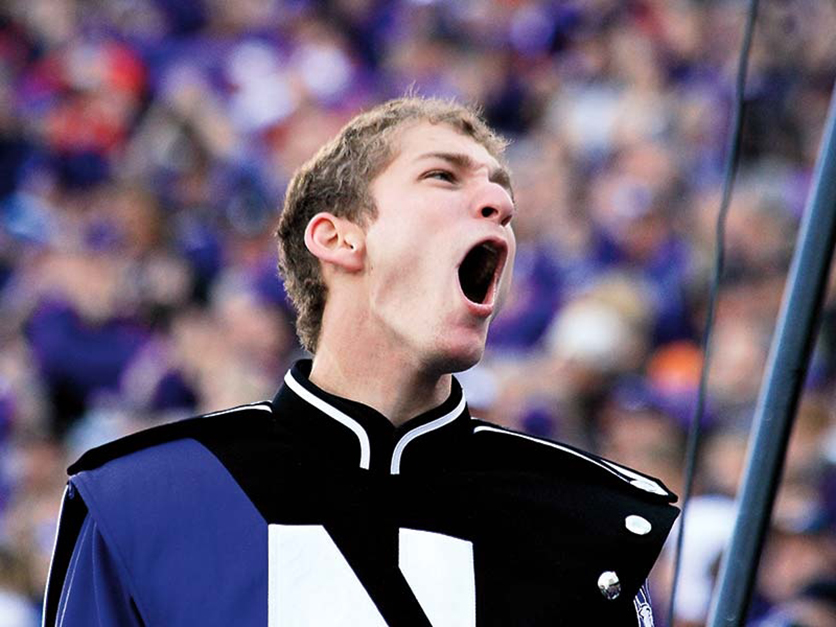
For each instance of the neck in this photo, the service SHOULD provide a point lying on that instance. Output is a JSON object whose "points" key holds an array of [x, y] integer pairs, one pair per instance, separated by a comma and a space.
{"points": [[375, 375]]}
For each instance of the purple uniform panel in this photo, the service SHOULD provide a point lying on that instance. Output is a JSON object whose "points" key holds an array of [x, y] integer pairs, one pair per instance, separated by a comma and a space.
{"points": [[171, 539]]}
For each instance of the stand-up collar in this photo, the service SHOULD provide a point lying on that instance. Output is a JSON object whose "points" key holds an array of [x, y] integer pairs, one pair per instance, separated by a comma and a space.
{"points": [[347, 433]]}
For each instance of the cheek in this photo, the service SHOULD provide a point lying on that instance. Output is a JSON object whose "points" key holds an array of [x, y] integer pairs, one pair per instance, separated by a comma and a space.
{"points": [[397, 269], [398, 256], [405, 245]]}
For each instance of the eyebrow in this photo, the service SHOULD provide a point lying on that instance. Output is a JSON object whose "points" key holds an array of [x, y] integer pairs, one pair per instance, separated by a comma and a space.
{"points": [[498, 175]]}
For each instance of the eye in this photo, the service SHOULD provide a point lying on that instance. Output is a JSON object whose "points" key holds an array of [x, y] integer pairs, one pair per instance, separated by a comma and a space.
{"points": [[441, 175]]}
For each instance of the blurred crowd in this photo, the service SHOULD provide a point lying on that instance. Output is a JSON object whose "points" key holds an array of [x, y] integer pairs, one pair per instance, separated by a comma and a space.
{"points": [[145, 146]]}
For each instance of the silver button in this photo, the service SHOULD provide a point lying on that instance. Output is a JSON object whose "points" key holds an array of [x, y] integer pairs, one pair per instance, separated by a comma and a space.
{"points": [[609, 585], [648, 486], [638, 525]]}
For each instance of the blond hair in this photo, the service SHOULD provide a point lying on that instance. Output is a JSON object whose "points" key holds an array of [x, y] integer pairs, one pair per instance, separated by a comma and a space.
{"points": [[337, 180]]}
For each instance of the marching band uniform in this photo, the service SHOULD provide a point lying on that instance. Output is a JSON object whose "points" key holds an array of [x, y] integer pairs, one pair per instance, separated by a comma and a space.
{"points": [[317, 510]]}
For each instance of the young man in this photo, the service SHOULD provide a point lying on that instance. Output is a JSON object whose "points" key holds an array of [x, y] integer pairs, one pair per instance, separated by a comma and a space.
{"points": [[364, 494]]}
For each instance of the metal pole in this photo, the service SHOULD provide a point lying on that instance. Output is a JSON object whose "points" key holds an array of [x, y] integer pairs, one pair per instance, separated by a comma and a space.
{"points": [[778, 399]]}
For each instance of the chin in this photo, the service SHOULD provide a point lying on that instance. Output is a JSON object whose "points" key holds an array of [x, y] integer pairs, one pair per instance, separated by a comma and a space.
{"points": [[458, 357]]}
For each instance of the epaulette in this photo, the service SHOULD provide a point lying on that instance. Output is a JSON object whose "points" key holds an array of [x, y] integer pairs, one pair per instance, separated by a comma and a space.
{"points": [[187, 428], [638, 480]]}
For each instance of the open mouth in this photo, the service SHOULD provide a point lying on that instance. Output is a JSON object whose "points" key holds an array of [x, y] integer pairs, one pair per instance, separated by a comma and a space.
{"points": [[479, 269]]}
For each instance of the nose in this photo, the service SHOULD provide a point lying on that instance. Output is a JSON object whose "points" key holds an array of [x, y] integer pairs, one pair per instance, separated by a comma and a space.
{"points": [[495, 203]]}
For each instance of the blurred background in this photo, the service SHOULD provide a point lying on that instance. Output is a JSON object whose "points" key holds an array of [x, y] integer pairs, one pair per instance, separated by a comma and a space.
{"points": [[145, 146]]}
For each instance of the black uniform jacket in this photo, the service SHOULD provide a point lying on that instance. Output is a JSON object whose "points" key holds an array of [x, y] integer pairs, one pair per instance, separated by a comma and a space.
{"points": [[443, 521]]}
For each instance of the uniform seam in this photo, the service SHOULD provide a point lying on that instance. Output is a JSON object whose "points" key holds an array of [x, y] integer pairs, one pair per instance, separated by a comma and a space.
{"points": [[61, 610], [260, 405], [52, 559], [62, 607], [600, 464]]}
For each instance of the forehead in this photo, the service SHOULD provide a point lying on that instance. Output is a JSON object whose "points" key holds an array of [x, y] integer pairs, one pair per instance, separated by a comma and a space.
{"points": [[415, 140]]}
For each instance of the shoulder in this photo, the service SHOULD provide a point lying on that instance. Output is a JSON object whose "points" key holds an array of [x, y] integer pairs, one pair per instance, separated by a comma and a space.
{"points": [[219, 456], [602, 522], [160, 497], [235, 422], [527, 452], [141, 488]]}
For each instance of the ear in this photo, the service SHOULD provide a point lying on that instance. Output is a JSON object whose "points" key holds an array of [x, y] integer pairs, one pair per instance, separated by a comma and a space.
{"points": [[337, 241]]}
